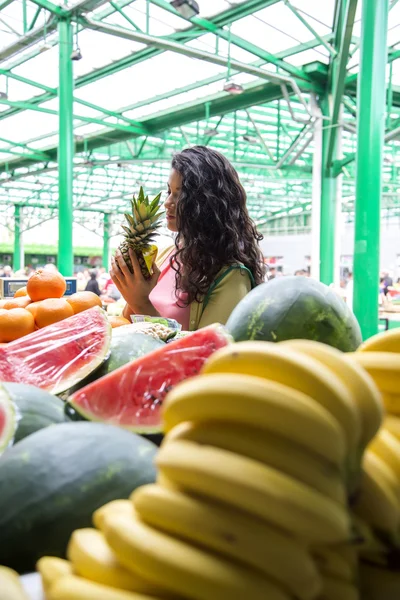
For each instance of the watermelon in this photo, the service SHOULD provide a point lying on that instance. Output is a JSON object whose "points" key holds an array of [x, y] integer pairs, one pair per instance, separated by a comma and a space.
{"points": [[8, 419], [132, 395], [126, 345], [289, 308], [53, 481], [58, 356], [36, 409]]}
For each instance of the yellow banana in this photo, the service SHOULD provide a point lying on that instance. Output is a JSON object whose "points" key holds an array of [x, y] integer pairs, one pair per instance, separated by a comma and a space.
{"points": [[387, 341], [392, 424], [254, 488], [391, 403], [249, 400], [283, 365], [387, 447], [377, 503], [51, 569], [92, 558], [361, 386], [268, 448], [182, 569], [335, 589], [76, 588], [231, 533], [384, 368], [334, 562], [113, 507], [10, 585], [379, 584]]}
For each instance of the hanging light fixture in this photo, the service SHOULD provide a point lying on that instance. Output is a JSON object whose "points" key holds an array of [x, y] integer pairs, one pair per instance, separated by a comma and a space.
{"points": [[187, 8], [76, 53], [233, 88]]}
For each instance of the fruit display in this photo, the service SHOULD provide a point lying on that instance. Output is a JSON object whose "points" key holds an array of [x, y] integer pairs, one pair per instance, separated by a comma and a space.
{"points": [[40, 304], [295, 308], [53, 480], [58, 356], [139, 231], [132, 395], [36, 409]]}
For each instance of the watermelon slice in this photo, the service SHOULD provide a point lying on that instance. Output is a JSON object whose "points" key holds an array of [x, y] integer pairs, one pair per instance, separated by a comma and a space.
{"points": [[132, 395], [8, 419], [58, 356]]}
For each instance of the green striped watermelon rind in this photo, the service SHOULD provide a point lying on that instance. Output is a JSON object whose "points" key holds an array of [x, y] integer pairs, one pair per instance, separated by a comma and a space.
{"points": [[8, 419]]}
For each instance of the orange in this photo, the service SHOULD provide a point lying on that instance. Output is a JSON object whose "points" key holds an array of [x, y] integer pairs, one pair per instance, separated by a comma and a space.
{"points": [[51, 311], [118, 321], [83, 300], [21, 292], [45, 284], [21, 302], [33, 306], [15, 323], [2, 302]]}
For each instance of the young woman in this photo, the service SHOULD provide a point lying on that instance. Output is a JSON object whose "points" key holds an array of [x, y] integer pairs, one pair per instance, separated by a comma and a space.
{"points": [[215, 260]]}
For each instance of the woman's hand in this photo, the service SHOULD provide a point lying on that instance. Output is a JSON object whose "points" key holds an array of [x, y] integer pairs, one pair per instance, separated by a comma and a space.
{"points": [[134, 288]]}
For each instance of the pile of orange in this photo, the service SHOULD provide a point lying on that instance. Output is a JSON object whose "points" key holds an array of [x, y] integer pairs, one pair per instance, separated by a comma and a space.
{"points": [[39, 304]]}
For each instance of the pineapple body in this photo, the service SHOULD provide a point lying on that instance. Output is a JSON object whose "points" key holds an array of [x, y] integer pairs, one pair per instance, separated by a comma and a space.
{"points": [[139, 231]]}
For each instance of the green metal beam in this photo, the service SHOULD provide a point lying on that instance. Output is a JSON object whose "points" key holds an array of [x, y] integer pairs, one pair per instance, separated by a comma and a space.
{"points": [[328, 208], [5, 3], [106, 240], [347, 13], [371, 121], [18, 260], [53, 8], [65, 150]]}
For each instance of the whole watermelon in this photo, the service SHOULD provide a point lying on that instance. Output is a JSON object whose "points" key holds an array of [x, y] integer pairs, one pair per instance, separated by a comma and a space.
{"points": [[290, 308], [54, 479]]}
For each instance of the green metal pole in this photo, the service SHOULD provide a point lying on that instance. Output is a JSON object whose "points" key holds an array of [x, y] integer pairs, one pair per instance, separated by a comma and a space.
{"points": [[18, 250], [328, 208], [371, 124], [106, 241], [65, 150]]}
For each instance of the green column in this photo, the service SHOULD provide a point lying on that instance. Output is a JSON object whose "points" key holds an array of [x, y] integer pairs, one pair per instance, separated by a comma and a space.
{"points": [[328, 208], [65, 149], [369, 161], [18, 260], [106, 241]]}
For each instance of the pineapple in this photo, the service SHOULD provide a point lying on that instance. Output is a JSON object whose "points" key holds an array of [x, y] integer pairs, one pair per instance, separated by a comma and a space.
{"points": [[139, 234]]}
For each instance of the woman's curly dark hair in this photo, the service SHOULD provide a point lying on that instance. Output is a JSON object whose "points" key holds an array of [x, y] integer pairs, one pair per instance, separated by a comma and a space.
{"points": [[214, 227]]}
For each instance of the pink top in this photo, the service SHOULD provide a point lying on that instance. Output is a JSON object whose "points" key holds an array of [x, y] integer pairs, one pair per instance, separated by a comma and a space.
{"points": [[164, 300]]}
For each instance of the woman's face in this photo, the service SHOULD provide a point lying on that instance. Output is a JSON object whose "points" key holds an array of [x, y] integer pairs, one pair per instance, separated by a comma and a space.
{"points": [[174, 191]]}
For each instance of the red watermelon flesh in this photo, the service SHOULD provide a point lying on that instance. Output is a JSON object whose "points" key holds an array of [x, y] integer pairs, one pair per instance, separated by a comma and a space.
{"points": [[8, 419], [58, 356], [132, 395]]}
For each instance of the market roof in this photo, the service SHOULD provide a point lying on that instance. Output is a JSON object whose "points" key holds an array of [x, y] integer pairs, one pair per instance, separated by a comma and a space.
{"points": [[151, 82]]}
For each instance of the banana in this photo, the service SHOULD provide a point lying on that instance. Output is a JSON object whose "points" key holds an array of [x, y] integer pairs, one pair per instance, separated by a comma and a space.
{"points": [[268, 448], [255, 488], [387, 341], [391, 403], [249, 400], [334, 562], [379, 584], [10, 585], [51, 569], [182, 569], [377, 503], [387, 447], [92, 558], [232, 533], [302, 373], [384, 368], [335, 589], [113, 507], [361, 386], [76, 588], [392, 424]]}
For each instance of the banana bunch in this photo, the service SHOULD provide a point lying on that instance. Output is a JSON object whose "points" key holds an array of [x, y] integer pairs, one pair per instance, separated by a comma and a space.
{"points": [[10, 585]]}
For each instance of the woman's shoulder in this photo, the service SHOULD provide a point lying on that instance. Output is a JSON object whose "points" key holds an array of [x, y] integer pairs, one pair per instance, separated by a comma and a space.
{"points": [[232, 275]]}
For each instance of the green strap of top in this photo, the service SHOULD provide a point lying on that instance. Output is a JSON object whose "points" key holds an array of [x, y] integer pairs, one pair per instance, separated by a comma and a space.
{"points": [[222, 276]]}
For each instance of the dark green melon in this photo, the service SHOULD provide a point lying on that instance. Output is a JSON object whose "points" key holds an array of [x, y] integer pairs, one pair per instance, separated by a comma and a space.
{"points": [[36, 409], [53, 481], [126, 345], [288, 308]]}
